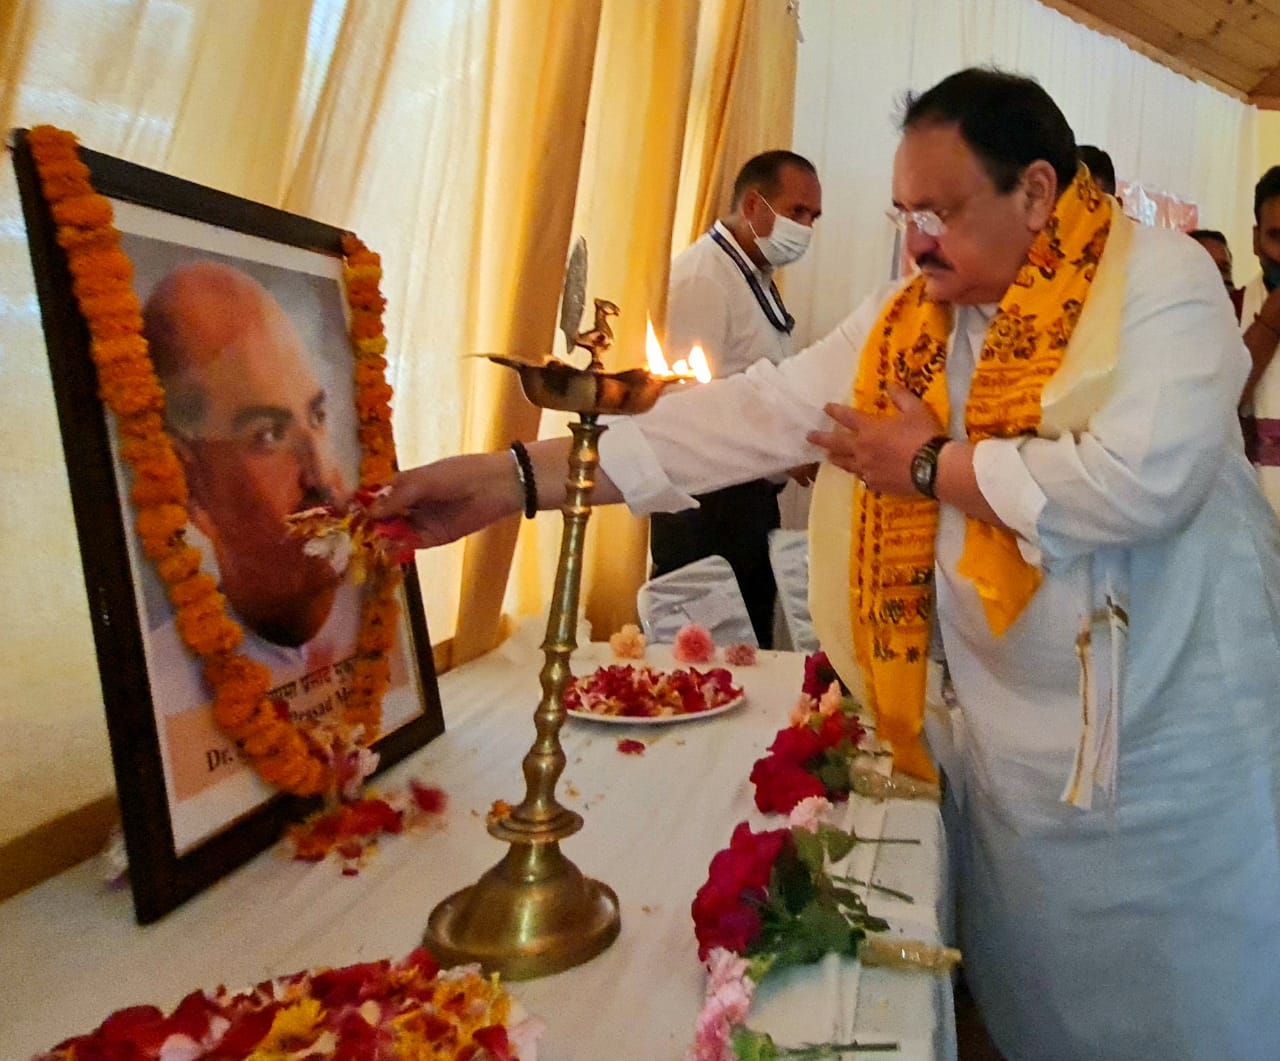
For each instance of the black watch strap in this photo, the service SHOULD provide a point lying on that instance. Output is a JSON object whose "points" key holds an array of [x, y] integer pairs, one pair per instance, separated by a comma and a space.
{"points": [[924, 466]]}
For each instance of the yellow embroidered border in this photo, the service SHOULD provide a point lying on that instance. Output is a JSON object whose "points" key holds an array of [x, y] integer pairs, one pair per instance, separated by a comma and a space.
{"points": [[891, 565]]}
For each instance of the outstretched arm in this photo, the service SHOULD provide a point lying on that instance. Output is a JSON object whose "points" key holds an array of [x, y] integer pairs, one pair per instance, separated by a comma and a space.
{"points": [[457, 496]]}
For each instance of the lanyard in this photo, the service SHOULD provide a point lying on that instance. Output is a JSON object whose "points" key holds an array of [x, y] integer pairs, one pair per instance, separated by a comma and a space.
{"points": [[783, 323]]}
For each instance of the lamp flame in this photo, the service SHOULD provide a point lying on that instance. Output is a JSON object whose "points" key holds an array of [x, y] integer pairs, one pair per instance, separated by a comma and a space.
{"points": [[696, 365], [693, 367]]}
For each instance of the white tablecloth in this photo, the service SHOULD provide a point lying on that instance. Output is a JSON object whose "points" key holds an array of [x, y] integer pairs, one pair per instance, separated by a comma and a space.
{"points": [[70, 952]]}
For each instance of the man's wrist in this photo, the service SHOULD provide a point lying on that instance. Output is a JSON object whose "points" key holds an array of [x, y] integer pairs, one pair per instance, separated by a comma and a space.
{"points": [[924, 466]]}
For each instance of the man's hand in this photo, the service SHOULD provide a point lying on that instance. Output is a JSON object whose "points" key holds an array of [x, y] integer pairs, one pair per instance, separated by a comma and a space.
{"points": [[878, 449], [453, 497]]}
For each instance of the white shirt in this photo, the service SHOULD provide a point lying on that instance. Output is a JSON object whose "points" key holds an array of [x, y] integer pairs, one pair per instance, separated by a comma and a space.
{"points": [[1149, 930], [1266, 395], [710, 303]]}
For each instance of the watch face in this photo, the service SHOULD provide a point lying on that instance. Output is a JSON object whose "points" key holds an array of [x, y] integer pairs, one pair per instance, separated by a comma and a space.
{"points": [[920, 472]]}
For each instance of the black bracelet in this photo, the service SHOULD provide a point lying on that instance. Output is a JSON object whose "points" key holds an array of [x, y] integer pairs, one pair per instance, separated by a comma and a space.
{"points": [[524, 470]]}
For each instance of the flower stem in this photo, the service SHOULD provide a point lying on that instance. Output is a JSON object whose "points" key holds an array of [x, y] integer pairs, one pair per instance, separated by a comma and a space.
{"points": [[877, 887]]}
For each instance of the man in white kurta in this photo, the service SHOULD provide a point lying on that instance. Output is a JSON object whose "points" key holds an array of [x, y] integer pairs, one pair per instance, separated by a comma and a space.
{"points": [[1147, 929], [1146, 926], [1137, 933]]}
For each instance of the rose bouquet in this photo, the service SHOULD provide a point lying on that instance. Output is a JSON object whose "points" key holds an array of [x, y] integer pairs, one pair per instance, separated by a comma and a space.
{"points": [[374, 1011], [771, 901], [813, 755]]}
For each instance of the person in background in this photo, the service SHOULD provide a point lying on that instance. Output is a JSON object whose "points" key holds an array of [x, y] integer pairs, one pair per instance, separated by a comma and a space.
{"points": [[1028, 450], [1101, 166], [722, 297], [1215, 243], [1260, 321]]}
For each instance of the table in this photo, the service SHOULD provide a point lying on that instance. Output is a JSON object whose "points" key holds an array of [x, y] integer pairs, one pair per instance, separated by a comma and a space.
{"points": [[70, 952]]}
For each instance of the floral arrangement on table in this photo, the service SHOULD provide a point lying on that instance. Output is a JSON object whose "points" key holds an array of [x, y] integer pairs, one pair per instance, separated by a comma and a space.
{"points": [[626, 691], [297, 757], [398, 1011], [769, 902], [814, 754]]}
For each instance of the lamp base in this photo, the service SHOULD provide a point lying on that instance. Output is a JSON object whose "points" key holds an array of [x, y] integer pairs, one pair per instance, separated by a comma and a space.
{"points": [[531, 915]]}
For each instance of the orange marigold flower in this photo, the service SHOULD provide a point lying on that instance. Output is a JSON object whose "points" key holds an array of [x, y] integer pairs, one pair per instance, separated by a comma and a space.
{"points": [[156, 486], [192, 591], [115, 325], [120, 301], [82, 211], [73, 240], [179, 563], [59, 181], [364, 328], [162, 523], [209, 632], [105, 261], [146, 424], [121, 349]]}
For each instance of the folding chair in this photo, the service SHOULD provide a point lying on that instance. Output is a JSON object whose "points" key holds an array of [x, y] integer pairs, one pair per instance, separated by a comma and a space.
{"points": [[789, 558], [703, 592]]}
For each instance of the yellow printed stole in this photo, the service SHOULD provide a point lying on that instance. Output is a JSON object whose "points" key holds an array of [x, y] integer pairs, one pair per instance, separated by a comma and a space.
{"points": [[891, 563]]}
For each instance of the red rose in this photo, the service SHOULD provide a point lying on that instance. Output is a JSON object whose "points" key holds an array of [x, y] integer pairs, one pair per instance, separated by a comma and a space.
{"points": [[818, 675], [725, 910], [797, 744], [780, 785]]}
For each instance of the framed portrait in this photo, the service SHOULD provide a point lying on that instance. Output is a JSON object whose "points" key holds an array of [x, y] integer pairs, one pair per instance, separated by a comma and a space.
{"points": [[247, 322]]}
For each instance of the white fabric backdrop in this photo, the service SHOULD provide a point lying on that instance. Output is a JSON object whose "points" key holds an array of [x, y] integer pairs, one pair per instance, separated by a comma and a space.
{"points": [[859, 58]]}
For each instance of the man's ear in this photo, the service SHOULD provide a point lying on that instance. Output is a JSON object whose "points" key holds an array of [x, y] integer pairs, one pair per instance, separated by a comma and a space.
{"points": [[1257, 241], [196, 511], [1040, 186]]}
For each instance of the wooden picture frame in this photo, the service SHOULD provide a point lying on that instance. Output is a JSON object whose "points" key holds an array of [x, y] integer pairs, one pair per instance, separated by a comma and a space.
{"points": [[191, 809]]}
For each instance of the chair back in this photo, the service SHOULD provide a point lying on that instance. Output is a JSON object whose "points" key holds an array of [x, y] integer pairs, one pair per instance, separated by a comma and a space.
{"points": [[705, 592]]}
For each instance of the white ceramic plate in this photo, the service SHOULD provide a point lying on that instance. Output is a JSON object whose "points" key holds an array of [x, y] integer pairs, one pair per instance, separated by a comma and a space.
{"points": [[661, 720]]}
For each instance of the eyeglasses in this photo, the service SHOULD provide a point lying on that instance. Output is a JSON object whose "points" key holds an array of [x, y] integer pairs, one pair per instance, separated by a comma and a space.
{"points": [[927, 221]]}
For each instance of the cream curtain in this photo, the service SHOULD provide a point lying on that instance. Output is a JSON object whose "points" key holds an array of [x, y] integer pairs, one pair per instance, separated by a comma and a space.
{"points": [[121, 75], [455, 147], [708, 84]]}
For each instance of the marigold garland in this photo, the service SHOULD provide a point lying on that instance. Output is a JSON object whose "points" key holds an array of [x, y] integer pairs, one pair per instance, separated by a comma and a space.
{"points": [[296, 758]]}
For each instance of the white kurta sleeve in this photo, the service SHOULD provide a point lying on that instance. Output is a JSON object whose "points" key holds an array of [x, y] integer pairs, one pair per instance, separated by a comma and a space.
{"points": [[747, 426], [1149, 455]]}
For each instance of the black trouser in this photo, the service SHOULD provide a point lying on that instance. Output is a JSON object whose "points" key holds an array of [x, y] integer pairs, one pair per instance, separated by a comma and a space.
{"points": [[734, 523]]}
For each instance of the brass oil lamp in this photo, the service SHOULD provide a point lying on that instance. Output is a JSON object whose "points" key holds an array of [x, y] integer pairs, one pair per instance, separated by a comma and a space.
{"points": [[535, 913]]}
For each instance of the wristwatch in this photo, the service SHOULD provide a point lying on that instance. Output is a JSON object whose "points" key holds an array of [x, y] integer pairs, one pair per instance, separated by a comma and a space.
{"points": [[924, 465]]}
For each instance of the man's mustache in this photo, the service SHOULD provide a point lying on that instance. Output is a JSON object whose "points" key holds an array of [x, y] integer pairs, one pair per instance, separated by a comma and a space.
{"points": [[932, 260]]}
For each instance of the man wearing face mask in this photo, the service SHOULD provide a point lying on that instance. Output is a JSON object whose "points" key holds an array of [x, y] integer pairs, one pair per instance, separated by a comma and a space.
{"points": [[722, 297], [1260, 319]]}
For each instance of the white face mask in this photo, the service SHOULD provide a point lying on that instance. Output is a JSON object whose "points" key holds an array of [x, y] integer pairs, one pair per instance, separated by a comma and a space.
{"points": [[786, 243]]}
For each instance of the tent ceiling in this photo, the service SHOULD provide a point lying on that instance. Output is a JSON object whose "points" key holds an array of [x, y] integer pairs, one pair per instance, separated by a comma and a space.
{"points": [[1233, 45]]}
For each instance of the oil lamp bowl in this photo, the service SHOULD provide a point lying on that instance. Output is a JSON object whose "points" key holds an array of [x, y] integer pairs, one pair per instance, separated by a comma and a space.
{"points": [[556, 384]]}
